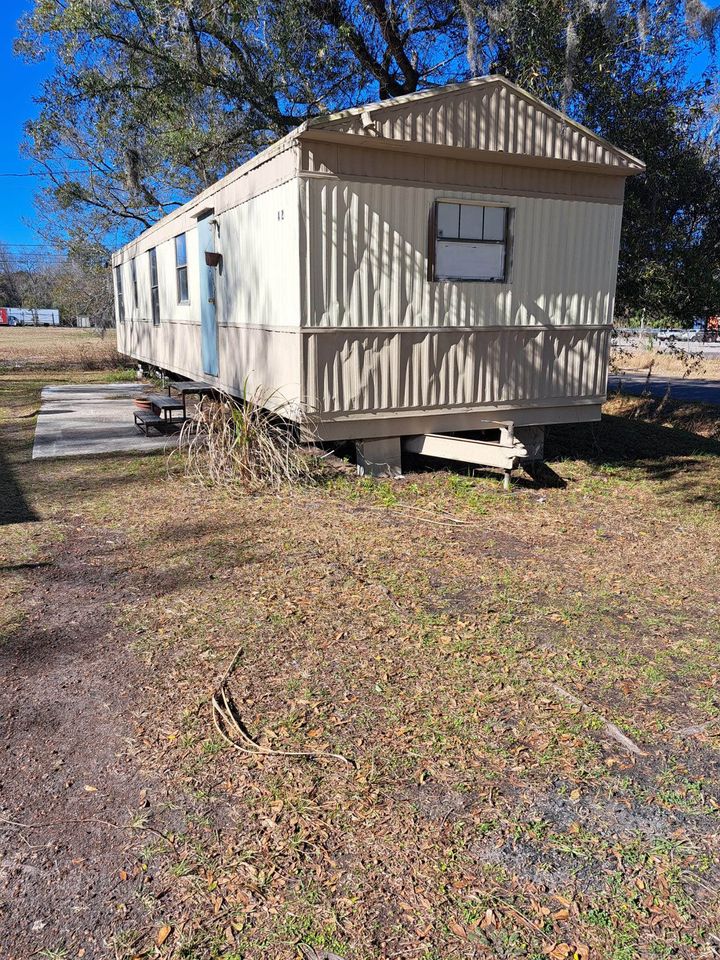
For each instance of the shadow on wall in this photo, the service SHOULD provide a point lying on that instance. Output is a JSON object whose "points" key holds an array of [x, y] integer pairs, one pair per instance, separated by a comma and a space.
{"points": [[364, 370], [14, 507], [368, 251]]}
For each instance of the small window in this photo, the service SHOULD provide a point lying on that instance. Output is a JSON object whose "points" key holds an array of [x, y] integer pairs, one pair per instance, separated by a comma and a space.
{"points": [[120, 297], [181, 268], [469, 242], [154, 287], [133, 277]]}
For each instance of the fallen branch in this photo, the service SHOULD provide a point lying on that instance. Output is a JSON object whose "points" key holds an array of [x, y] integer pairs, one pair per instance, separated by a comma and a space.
{"points": [[422, 516], [694, 729], [84, 820], [227, 722], [440, 516], [610, 729], [63, 823]]}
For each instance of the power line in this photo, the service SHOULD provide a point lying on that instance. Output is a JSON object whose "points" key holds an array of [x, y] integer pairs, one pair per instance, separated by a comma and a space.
{"points": [[41, 173]]}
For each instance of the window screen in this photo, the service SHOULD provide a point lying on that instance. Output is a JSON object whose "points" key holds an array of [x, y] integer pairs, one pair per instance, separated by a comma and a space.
{"points": [[133, 276], [181, 268], [154, 286], [120, 296], [470, 242]]}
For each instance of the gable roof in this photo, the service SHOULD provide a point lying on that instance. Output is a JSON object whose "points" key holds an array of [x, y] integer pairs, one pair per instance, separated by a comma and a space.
{"points": [[488, 114], [477, 120]]}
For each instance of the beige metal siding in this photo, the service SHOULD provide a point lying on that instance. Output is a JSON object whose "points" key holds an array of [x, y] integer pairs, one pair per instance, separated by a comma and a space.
{"points": [[488, 114], [324, 294], [367, 261], [250, 357], [268, 170], [166, 342], [365, 372], [173, 346], [366, 159], [258, 299], [259, 240]]}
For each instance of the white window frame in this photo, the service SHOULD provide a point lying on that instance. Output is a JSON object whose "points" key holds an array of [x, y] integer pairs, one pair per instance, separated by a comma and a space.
{"points": [[133, 277], [466, 243], [120, 292], [181, 270], [154, 286]]}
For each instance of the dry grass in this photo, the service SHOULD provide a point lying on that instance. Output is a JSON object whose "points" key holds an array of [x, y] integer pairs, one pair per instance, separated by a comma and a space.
{"points": [[486, 816], [677, 363], [58, 348], [702, 420], [242, 446]]}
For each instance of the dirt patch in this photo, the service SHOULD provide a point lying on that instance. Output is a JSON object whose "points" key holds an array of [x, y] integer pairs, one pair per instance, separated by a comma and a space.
{"points": [[68, 862], [439, 803]]}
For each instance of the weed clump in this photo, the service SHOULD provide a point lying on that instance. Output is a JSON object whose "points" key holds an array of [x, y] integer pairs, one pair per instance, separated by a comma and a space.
{"points": [[251, 445]]}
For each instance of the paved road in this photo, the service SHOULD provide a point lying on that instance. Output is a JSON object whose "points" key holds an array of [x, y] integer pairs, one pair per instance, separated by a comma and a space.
{"points": [[710, 350], [692, 391]]}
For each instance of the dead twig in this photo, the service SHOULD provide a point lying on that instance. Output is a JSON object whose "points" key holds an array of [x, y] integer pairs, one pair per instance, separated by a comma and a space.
{"points": [[48, 824], [610, 729], [226, 722], [440, 518]]}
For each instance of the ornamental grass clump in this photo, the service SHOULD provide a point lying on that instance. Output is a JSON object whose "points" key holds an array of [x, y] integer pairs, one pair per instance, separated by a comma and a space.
{"points": [[249, 445]]}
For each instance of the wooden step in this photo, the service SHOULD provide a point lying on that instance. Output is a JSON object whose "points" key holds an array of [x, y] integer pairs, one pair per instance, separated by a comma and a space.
{"points": [[162, 402], [147, 416]]}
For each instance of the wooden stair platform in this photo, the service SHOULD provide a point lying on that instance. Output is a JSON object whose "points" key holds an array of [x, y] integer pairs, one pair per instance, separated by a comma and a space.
{"points": [[146, 419], [162, 402]]}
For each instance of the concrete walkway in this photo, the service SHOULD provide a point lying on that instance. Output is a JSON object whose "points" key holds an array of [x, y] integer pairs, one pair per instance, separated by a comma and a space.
{"points": [[92, 418], [686, 390]]}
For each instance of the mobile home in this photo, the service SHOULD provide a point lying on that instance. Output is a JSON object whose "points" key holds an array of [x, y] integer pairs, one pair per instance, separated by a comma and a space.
{"points": [[437, 263]]}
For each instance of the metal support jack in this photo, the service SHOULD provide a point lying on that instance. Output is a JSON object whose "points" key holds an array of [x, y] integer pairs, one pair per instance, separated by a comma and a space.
{"points": [[515, 446]]}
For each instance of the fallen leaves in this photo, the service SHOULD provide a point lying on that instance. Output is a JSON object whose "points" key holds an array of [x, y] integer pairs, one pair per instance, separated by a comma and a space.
{"points": [[566, 951], [423, 655]]}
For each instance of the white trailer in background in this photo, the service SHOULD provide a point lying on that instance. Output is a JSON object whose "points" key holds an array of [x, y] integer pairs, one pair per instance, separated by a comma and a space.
{"points": [[23, 317]]}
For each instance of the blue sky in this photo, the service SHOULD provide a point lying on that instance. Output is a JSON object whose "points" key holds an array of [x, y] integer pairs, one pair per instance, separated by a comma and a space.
{"points": [[21, 81]]}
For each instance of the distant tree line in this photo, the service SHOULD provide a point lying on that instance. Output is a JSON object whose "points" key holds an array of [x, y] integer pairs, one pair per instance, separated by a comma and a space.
{"points": [[150, 102], [78, 284]]}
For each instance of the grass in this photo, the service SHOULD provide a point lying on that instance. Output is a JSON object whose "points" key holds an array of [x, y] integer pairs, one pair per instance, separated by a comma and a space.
{"points": [[695, 419], [58, 348], [675, 362], [484, 815]]}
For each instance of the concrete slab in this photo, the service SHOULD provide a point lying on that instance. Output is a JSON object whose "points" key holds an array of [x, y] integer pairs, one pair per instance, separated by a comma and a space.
{"points": [[78, 420]]}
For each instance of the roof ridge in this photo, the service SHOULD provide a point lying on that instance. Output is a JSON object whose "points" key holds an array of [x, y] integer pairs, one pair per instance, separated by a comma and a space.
{"points": [[327, 119]]}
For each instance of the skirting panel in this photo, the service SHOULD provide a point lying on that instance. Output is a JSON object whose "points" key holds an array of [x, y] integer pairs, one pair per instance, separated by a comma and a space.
{"points": [[350, 371]]}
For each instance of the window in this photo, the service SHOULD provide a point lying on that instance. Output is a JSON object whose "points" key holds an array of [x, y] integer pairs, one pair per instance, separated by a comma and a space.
{"points": [[469, 242], [133, 276], [120, 297], [181, 268], [154, 288]]}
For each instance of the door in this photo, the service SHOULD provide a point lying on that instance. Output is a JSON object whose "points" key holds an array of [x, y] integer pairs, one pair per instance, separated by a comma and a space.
{"points": [[208, 313]]}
